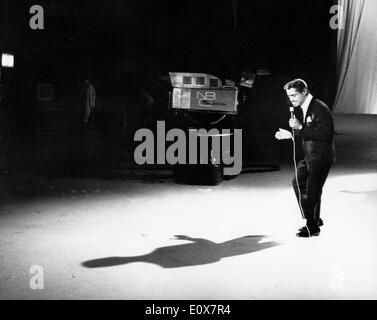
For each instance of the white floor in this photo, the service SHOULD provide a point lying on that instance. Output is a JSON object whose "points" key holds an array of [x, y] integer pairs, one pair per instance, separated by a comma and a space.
{"points": [[97, 239]]}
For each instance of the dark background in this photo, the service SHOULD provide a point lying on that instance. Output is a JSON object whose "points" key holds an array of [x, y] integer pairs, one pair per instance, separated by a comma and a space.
{"points": [[125, 46], [289, 37]]}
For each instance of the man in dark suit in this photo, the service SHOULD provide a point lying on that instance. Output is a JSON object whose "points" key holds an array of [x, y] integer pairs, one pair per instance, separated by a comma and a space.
{"points": [[314, 133]]}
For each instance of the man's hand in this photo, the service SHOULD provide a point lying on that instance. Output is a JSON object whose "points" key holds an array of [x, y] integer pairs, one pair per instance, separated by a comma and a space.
{"points": [[295, 124], [283, 134]]}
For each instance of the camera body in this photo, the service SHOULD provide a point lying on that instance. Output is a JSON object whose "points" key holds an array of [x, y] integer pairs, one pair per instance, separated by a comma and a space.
{"points": [[200, 101]]}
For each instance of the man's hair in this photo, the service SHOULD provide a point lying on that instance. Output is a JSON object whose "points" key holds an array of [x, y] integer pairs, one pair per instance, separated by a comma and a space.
{"points": [[298, 84]]}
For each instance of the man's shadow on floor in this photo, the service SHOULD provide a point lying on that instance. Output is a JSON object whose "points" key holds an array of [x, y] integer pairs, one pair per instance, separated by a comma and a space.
{"points": [[199, 252]]}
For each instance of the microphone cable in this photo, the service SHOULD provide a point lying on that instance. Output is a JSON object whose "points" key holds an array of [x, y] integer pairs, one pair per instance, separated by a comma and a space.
{"points": [[296, 173]]}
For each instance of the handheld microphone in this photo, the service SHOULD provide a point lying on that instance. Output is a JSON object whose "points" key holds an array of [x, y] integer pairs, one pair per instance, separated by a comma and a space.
{"points": [[291, 109]]}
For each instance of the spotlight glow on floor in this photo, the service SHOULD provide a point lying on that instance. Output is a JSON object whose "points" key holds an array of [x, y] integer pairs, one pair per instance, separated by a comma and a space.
{"points": [[166, 241]]}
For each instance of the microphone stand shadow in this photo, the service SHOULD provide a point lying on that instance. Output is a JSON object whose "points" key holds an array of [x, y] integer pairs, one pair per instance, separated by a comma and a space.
{"points": [[198, 252]]}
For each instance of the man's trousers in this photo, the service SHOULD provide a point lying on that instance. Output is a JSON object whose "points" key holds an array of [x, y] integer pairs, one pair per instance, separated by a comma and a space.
{"points": [[311, 179]]}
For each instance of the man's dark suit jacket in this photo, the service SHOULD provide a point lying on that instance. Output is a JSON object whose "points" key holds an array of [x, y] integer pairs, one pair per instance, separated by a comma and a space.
{"points": [[317, 134]]}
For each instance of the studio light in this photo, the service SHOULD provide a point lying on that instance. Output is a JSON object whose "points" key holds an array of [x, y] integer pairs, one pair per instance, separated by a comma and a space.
{"points": [[7, 60]]}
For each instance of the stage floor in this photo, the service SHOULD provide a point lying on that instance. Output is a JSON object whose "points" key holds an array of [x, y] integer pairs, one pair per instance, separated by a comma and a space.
{"points": [[134, 239]]}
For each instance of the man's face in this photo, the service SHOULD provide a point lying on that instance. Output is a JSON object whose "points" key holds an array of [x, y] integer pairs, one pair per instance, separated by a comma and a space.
{"points": [[296, 98]]}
